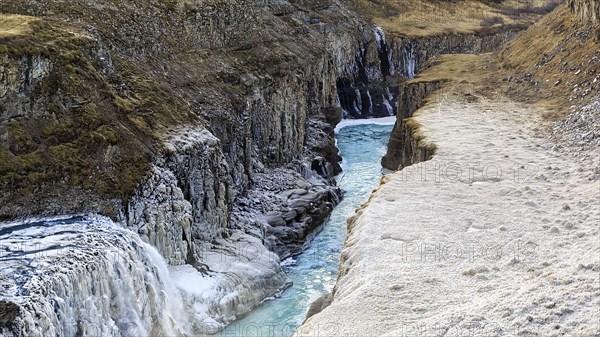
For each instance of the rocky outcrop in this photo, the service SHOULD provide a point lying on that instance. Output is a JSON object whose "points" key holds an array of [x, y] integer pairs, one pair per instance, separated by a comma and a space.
{"points": [[17, 80], [586, 10], [187, 197], [381, 66], [404, 148]]}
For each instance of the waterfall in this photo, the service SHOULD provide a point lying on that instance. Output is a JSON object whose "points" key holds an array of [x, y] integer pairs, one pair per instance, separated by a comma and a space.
{"points": [[379, 37], [85, 276], [358, 102], [388, 106], [385, 54], [410, 64], [370, 103], [88, 276]]}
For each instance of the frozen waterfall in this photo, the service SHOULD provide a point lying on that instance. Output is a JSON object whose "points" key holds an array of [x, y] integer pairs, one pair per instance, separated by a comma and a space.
{"points": [[88, 276], [84, 276]]}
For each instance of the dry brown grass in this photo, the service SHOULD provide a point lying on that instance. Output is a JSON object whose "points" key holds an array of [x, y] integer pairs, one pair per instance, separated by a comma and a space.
{"points": [[426, 18], [554, 64], [561, 55], [476, 74], [14, 25], [457, 68]]}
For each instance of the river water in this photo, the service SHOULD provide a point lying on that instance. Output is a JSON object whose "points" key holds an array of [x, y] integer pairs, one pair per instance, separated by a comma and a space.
{"points": [[315, 271], [138, 293]]}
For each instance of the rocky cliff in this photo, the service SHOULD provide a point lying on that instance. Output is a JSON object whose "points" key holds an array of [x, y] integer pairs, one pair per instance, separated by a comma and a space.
{"points": [[196, 125], [586, 10], [403, 148], [382, 66]]}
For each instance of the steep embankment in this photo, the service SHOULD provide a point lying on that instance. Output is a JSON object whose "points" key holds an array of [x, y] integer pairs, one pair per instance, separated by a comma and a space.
{"points": [[495, 234], [553, 64], [197, 126], [409, 32]]}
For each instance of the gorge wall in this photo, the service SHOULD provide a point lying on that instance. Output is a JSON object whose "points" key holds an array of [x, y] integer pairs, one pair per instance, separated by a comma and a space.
{"points": [[383, 64], [403, 148], [196, 126], [586, 10]]}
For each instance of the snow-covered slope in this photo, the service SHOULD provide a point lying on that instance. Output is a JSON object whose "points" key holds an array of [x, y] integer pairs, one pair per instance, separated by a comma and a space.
{"points": [[496, 235]]}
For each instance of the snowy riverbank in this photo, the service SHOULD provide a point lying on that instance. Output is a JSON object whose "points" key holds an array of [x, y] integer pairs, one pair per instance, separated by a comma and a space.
{"points": [[496, 235]]}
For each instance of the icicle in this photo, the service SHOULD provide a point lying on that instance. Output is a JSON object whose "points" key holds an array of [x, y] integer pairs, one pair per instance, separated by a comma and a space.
{"points": [[379, 37], [388, 106], [357, 101], [409, 60], [370, 103], [391, 62], [390, 96]]}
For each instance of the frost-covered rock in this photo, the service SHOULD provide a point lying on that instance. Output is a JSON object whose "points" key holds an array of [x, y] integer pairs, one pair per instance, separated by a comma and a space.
{"points": [[84, 277], [88, 276]]}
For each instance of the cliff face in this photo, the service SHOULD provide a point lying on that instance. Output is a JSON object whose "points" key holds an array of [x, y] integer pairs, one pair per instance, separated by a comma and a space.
{"points": [[205, 127], [382, 66], [403, 148], [226, 72], [586, 10], [197, 126]]}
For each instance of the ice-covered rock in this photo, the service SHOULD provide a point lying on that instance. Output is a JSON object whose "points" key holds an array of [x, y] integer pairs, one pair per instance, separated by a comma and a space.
{"points": [[88, 276], [84, 276]]}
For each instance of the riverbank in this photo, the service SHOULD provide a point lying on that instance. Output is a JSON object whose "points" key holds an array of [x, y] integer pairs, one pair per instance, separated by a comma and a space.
{"points": [[491, 226], [496, 233], [314, 272]]}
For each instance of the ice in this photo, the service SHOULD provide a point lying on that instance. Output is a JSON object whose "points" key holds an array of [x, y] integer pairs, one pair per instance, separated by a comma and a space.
{"points": [[409, 61], [379, 37], [89, 276], [85, 276], [379, 121], [388, 106]]}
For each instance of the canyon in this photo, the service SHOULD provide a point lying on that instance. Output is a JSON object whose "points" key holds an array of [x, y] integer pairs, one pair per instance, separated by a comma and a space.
{"points": [[498, 196], [193, 144]]}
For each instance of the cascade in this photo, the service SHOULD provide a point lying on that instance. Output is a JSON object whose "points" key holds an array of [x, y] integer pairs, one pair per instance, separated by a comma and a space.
{"points": [[85, 276], [410, 64]]}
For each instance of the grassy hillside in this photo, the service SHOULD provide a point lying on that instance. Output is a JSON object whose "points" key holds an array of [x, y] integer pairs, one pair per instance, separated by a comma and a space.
{"points": [[83, 133], [554, 64], [556, 61], [425, 18]]}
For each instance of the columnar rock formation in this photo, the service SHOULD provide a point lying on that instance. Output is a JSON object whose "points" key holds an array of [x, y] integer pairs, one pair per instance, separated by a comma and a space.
{"points": [[206, 128], [586, 10], [383, 64], [196, 126]]}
